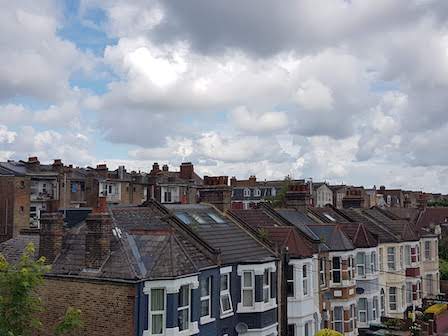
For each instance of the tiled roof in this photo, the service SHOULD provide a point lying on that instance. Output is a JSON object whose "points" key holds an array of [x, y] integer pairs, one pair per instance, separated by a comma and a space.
{"points": [[13, 248], [234, 243], [359, 235], [432, 216], [300, 220], [278, 234]]}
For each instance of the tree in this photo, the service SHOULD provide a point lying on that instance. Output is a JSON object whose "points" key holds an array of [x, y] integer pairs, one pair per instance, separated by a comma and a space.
{"points": [[19, 302], [328, 332], [279, 200]]}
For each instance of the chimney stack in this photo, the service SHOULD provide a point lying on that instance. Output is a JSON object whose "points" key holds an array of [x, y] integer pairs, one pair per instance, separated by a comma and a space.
{"points": [[102, 169], [186, 171], [51, 235], [57, 164], [98, 235], [165, 167], [33, 162], [155, 169], [216, 191], [298, 196]]}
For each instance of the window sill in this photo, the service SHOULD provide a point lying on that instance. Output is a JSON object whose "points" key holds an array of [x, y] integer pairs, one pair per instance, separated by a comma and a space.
{"points": [[226, 315], [206, 319], [258, 307]]}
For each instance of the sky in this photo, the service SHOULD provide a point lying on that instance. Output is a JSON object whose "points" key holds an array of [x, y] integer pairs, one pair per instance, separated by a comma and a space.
{"points": [[346, 91]]}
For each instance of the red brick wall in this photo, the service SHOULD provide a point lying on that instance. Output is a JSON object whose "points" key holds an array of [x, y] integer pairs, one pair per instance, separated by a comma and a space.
{"points": [[107, 308]]}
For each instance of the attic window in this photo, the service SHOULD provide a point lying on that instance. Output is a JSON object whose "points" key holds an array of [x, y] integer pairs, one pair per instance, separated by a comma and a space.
{"points": [[216, 218], [329, 217], [198, 218], [183, 217]]}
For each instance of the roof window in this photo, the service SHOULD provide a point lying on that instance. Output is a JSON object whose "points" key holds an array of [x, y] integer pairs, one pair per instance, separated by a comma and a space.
{"points": [[216, 218], [329, 217], [183, 217], [198, 218]]}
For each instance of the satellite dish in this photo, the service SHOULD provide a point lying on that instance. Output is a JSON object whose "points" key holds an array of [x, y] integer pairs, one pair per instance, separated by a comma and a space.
{"points": [[241, 328]]}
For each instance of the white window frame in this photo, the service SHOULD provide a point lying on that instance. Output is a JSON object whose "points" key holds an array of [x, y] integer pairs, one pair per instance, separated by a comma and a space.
{"points": [[403, 296], [186, 307], [351, 267], [393, 298], [225, 293], [361, 267], [305, 280], [381, 259], [266, 286], [352, 314], [373, 262], [250, 288], [382, 302], [291, 281], [336, 270], [257, 192], [362, 312], [206, 298], [407, 252], [246, 192], [375, 308], [408, 293], [157, 312], [391, 265], [307, 328], [428, 255], [401, 257], [340, 322], [322, 277]]}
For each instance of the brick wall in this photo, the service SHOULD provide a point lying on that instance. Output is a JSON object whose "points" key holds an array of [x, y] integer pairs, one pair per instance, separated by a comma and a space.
{"points": [[107, 308]]}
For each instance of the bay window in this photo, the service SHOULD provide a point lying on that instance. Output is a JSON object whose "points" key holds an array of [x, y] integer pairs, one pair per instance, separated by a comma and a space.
{"points": [[206, 288], [266, 286], [247, 289], [305, 279], [362, 310], [375, 308], [336, 270], [408, 293], [383, 302], [338, 319], [361, 263], [183, 308], [407, 255], [393, 298], [322, 280], [373, 266], [391, 258], [428, 250], [225, 298], [157, 311], [290, 280]]}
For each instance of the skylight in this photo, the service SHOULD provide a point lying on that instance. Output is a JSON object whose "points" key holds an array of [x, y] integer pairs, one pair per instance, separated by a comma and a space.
{"points": [[329, 217], [198, 218], [183, 217], [216, 218]]}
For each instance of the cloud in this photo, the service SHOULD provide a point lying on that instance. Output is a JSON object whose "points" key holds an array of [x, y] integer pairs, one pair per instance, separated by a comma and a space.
{"points": [[258, 122]]}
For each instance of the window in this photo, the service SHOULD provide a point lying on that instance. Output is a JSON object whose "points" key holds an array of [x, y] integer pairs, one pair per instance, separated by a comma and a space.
{"points": [[381, 259], [290, 281], [401, 258], [403, 296], [305, 279], [383, 302], [429, 284], [216, 218], [257, 192], [167, 196], [351, 268], [427, 250], [157, 311], [247, 289], [322, 280], [351, 322], [266, 286], [408, 293], [362, 310], [183, 308], [391, 258], [291, 330], [336, 271], [414, 253], [360, 263], [375, 308], [407, 254], [246, 192], [307, 329], [373, 267], [206, 289], [417, 249], [393, 298], [198, 218], [183, 217], [419, 290], [338, 319], [225, 298]]}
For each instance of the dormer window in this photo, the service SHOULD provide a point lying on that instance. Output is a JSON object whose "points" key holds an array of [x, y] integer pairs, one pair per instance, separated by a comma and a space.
{"points": [[257, 192], [246, 192]]}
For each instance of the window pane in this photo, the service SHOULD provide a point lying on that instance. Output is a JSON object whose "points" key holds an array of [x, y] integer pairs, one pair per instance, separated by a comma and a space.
{"points": [[266, 277], [157, 324], [247, 298], [184, 297], [225, 303], [338, 313], [157, 299], [224, 282], [290, 289], [247, 279], [205, 286], [290, 272], [183, 318], [205, 308]]}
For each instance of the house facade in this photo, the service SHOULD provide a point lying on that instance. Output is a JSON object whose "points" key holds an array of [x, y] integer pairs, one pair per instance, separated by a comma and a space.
{"points": [[322, 195]]}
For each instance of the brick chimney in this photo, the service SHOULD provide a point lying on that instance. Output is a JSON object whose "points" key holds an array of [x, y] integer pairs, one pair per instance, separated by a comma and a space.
{"points": [[98, 235], [102, 170], [33, 162], [216, 191], [51, 235], [186, 171], [57, 164], [233, 181], [155, 169], [298, 196], [252, 181], [353, 198]]}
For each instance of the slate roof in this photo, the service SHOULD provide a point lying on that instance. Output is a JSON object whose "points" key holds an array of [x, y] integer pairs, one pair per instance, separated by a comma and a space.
{"points": [[333, 236], [300, 220], [432, 216], [234, 243], [13, 248], [277, 233]]}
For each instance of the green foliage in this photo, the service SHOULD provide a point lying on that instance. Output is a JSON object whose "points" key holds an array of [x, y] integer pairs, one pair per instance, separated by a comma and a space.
{"points": [[264, 234], [279, 200], [19, 303], [439, 203], [443, 266], [72, 322], [328, 332]]}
